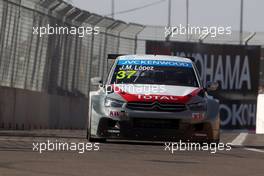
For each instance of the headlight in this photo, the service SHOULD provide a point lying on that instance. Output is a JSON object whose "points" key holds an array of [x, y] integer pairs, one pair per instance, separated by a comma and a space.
{"points": [[109, 102], [197, 106]]}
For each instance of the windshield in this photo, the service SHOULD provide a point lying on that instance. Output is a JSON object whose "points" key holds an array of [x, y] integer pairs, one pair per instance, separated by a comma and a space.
{"points": [[154, 72]]}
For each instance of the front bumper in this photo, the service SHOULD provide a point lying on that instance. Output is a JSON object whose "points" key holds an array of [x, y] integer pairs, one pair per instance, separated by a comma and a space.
{"points": [[151, 125]]}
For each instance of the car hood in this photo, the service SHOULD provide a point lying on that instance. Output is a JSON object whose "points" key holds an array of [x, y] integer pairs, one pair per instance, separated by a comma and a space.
{"points": [[147, 89], [160, 93]]}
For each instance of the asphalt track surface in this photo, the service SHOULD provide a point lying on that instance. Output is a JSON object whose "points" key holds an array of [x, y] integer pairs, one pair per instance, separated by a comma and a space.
{"points": [[125, 159]]}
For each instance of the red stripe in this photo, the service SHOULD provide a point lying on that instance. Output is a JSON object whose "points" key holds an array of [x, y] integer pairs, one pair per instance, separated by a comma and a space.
{"points": [[153, 97]]}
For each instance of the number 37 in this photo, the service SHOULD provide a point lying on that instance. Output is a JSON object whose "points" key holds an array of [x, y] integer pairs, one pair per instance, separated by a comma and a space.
{"points": [[125, 74]]}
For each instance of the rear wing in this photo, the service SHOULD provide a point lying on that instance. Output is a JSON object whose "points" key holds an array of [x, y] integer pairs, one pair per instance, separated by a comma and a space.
{"points": [[113, 56]]}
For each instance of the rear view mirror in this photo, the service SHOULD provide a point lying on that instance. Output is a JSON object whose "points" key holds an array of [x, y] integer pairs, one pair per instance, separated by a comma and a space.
{"points": [[96, 81], [211, 86]]}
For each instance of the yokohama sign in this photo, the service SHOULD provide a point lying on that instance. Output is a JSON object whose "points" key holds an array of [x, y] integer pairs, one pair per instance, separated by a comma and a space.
{"points": [[234, 67]]}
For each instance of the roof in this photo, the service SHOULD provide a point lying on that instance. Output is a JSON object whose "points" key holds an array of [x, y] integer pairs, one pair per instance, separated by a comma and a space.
{"points": [[154, 57]]}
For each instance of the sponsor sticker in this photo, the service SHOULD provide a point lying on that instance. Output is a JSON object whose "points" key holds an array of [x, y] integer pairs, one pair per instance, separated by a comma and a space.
{"points": [[114, 113], [155, 63], [198, 116]]}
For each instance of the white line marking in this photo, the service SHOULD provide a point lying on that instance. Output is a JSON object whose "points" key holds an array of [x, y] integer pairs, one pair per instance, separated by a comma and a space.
{"points": [[238, 141], [255, 150]]}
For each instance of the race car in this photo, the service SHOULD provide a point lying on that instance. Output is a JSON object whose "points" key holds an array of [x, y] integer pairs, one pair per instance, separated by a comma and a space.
{"points": [[153, 97]]}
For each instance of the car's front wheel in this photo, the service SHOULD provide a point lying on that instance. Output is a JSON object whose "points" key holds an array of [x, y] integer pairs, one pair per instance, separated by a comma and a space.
{"points": [[90, 138], [214, 132]]}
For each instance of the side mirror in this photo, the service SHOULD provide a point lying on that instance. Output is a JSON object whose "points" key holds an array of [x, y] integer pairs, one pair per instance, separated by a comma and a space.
{"points": [[96, 81], [211, 86]]}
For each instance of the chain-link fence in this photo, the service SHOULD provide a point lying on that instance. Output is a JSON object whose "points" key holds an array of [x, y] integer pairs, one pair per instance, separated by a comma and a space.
{"points": [[195, 35], [59, 64]]}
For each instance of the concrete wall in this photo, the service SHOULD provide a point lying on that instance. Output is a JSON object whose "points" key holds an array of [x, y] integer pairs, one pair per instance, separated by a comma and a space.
{"points": [[23, 109]]}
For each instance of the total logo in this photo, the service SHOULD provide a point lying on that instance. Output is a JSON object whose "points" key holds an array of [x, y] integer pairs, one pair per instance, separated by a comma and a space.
{"points": [[157, 97]]}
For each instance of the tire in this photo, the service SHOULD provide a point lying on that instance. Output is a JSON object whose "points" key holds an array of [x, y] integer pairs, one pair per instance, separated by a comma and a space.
{"points": [[88, 133], [92, 139], [214, 133], [217, 138], [213, 141], [99, 140]]}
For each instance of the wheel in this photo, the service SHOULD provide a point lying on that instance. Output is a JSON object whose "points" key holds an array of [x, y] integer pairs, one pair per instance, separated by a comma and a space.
{"points": [[88, 132], [213, 132], [99, 140], [92, 139], [213, 141]]}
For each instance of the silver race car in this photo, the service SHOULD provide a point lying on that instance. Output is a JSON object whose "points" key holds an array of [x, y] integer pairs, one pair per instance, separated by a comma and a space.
{"points": [[153, 97]]}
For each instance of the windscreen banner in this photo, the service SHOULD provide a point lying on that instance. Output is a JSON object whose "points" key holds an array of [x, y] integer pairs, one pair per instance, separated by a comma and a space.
{"points": [[234, 67]]}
